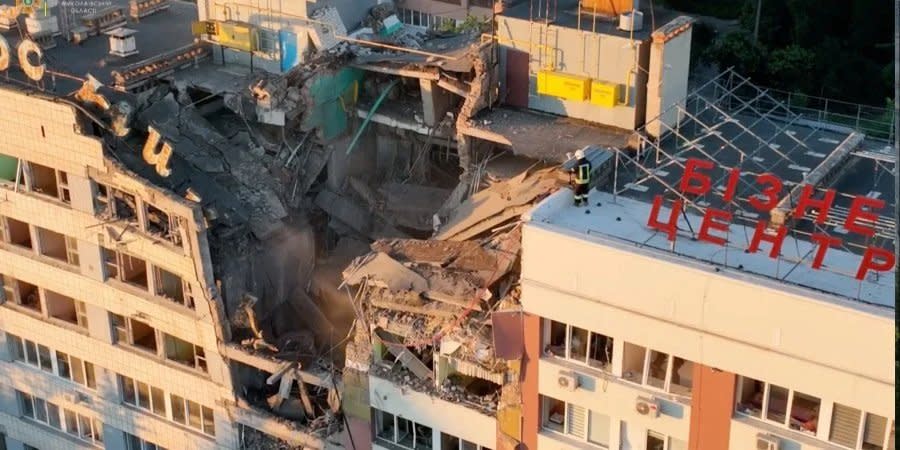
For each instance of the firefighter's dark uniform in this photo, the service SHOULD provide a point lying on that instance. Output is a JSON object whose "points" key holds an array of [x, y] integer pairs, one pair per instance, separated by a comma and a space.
{"points": [[582, 181]]}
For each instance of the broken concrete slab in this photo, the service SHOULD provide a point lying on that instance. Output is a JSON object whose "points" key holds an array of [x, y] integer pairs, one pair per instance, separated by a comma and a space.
{"points": [[384, 271]]}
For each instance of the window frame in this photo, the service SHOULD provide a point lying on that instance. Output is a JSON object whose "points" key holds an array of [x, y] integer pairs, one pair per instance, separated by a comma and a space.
{"points": [[184, 405], [395, 441], [567, 351], [669, 371], [565, 426], [861, 431], [764, 408]]}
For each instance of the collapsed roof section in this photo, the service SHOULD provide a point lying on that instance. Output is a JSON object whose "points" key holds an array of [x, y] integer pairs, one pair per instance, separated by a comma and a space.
{"points": [[435, 314]]}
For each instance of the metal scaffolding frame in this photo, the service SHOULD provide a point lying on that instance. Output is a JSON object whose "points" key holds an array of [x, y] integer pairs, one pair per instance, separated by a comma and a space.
{"points": [[755, 120]]}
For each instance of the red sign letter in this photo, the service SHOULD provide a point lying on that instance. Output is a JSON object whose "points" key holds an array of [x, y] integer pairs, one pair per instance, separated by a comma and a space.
{"points": [[710, 222], [691, 173], [671, 227], [733, 176], [869, 262], [771, 191], [824, 242], [858, 213], [807, 201], [761, 235]]}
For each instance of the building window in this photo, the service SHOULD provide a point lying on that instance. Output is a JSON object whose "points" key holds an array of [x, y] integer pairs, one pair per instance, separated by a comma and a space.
{"points": [[162, 225], [75, 369], [67, 366], [553, 414], [578, 344], [798, 411], [193, 415], [83, 427], [44, 180], [21, 293], [62, 181], [171, 287], [133, 442], [39, 410], [658, 370], [855, 429], [184, 352], [66, 309], [449, 442], [31, 353], [142, 395], [658, 441], [401, 432], [575, 421], [126, 268], [16, 232], [134, 332]]}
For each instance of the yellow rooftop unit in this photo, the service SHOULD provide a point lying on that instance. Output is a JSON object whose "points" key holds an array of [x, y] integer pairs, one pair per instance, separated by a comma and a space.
{"points": [[605, 94], [236, 35], [563, 85]]}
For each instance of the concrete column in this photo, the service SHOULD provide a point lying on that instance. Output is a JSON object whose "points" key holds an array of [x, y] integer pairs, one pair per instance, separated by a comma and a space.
{"points": [[82, 191], [435, 102], [386, 145]]}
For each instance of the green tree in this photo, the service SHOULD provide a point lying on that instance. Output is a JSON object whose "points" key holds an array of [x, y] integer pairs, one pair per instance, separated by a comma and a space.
{"points": [[790, 68], [738, 50]]}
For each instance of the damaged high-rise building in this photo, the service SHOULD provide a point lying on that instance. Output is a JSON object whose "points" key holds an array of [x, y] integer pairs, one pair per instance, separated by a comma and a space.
{"points": [[331, 224]]}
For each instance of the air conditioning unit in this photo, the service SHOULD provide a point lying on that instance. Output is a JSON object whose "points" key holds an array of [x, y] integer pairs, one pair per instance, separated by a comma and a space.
{"points": [[647, 406], [767, 442], [567, 380]]}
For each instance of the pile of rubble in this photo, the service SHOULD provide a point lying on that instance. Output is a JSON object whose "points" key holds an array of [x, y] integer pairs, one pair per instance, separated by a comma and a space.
{"points": [[426, 301]]}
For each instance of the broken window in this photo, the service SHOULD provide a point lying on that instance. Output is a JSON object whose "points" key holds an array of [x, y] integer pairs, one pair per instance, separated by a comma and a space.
{"points": [[192, 414], [170, 286], [162, 225], [402, 432], [805, 413], [21, 293], [66, 308], [143, 396], [777, 403], [57, 246], [126, 268], [43, 180], [133, 332], [750, 396], [578, 344], [75, 369], [124, 206], [681, 380], [101, 201], [184, 352], [449, 442], [633, 362], [659, 363], [62, 181], [553, 414], [17, 233]]}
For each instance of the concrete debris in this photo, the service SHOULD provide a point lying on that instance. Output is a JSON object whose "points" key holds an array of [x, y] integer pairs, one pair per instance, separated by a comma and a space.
{"points": [[498, 204], [384, 271]]}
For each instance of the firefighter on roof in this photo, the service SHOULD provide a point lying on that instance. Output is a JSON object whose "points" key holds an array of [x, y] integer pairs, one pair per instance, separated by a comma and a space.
{"points": [[582, 178]]}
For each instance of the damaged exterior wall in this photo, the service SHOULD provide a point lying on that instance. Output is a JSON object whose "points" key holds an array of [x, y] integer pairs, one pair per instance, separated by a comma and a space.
{"points": [[42, 131]]}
